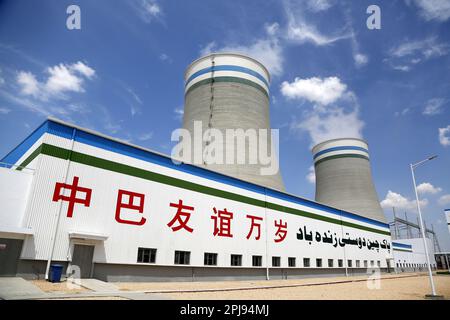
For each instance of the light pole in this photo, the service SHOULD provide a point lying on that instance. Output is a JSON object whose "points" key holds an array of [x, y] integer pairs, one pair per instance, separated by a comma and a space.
{"points": [[430, 274]]}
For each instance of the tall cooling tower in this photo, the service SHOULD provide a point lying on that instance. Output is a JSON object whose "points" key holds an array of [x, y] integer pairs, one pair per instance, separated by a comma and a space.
{"points": [[230, 91], [344, 179]]}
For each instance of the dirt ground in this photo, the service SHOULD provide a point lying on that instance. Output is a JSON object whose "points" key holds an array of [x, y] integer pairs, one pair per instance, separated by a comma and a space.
{"points": [[390, 287], [58, 287]]}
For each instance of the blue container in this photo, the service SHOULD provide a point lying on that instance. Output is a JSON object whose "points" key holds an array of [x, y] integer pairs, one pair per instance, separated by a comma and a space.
{"points": [[56, 272]]}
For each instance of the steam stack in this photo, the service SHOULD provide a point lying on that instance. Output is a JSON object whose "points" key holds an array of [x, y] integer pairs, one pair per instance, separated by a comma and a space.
{"points": [[230, 91], [344, 179]]}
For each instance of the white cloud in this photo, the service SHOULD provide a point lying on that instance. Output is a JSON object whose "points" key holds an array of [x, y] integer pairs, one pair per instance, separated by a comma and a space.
{"points": [[428, 48], [165, 58], [405, 111], [323, 91], [145, 136], [444, 200], [179, 112], [302, 32], [311, 176], [2, 81], [148, 10], [444, 136], [4, 110], [83, 69], [401, 68], [25, 103], [434, 106], [427, 187], [325, 120], [360, 59], [434, 9], [320, 5], [335, 123], [62, 78], [272, 29], [409, 53], [398, 201], [266, 50], [29, 84], [135, 102]]}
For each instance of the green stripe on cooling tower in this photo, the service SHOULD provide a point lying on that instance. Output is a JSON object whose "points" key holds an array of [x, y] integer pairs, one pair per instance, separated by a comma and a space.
{"points": [[338, 156], [228, 79], [100, 163]]}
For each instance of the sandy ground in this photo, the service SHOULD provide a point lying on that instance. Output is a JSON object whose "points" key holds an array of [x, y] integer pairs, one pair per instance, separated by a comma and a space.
{"points": [[408, 286], [90, 298], [59, 287]]}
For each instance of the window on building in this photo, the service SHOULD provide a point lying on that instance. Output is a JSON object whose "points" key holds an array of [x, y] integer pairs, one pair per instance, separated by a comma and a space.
{"points": [[210, 259], [372, 264], [349, 263], [398, 265], [146, 255], [182, 257], [330, 263], [340, 263], [358, 264], [378, 263], [236, 260], [306, 262], [276, 261], [291, 262], [365, 264], [319, 263], [257, 261]]}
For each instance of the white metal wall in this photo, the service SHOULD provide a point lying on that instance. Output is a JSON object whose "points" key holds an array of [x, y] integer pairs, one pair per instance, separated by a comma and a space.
{"points": [[123, 239]]}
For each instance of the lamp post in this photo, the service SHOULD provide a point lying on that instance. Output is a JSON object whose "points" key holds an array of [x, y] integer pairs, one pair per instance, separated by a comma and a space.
{"points": [[430, 274]]}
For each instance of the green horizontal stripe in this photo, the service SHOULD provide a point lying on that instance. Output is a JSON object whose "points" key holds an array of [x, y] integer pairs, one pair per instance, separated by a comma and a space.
{"points": [[30, 158], [100, 163], [347, 155], [228, 79]]}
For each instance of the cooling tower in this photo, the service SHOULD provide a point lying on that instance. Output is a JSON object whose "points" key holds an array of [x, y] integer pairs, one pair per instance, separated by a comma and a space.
{"points": [[344, 179], [231, 91]]}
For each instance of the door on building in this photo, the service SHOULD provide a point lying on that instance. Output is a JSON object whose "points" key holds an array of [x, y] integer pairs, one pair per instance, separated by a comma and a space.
{"points": [[82, 257], [10, 250]]}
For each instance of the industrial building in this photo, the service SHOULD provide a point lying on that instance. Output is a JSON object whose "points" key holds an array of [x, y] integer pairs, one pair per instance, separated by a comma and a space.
{"points": [[117, 212]]}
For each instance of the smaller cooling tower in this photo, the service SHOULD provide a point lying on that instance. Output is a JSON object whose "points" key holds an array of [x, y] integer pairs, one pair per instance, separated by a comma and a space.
{"points": [[344, 179]]}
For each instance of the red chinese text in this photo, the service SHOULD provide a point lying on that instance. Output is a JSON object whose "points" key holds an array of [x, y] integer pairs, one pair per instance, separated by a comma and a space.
{"points": [[126, 200], [58, 194]]}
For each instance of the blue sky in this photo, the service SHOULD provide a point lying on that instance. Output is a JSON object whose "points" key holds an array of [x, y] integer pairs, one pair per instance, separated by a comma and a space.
{"points": [[122, 75]]}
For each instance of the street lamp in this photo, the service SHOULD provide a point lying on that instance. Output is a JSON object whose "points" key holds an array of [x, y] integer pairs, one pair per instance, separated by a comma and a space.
{"points": [[430, 274]]}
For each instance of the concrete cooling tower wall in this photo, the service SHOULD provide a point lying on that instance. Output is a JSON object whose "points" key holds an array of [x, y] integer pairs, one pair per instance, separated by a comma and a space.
{"points": [[230, 91], [344, 179]]}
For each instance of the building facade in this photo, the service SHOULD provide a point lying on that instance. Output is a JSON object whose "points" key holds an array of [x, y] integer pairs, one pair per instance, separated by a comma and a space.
{"points": [[118, 212]]}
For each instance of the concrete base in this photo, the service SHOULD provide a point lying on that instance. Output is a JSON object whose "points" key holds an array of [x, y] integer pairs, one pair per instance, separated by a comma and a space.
{"points": [[138, 273], [35, 269]]}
